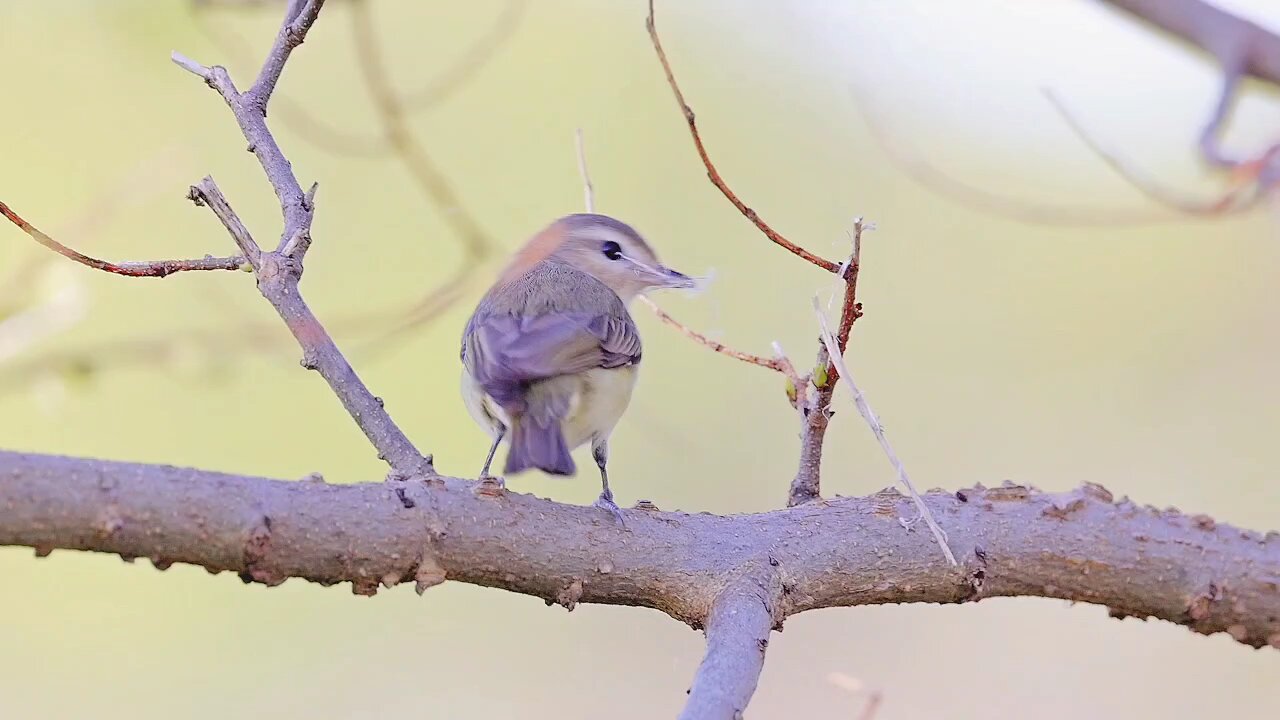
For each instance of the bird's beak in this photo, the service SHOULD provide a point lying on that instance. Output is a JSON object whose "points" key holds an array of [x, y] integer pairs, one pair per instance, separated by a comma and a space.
{"points": [[667, 278]]}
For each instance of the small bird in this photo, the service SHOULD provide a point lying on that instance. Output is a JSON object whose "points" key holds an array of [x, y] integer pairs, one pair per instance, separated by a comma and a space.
{"points": [[550, 355]]}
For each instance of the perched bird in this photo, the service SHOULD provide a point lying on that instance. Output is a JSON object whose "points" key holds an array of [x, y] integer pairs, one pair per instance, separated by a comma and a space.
{"points": [[550, 355]]}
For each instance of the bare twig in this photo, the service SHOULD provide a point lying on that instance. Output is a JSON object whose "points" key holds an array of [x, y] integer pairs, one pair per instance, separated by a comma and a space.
{"points": [[816, 416], [1242, 48], [933, 178], [300, 15], [278, 272], [471, 61], [319, 132], [396, 129], [148, 268], [837, 359], [375, 327], [1210, 144], [712, 173], [780, 363], [1240, 196], [207, 193]]}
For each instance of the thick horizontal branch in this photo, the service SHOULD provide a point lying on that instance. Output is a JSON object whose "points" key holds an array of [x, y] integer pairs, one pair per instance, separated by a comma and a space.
{"points": [[1011, 540]]}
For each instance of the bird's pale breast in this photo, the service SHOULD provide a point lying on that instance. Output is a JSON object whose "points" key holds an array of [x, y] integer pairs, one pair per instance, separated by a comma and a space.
{"points": [[599, 397]]}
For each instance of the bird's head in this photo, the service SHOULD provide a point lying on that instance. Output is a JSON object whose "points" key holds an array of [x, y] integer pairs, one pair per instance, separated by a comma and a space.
{"points": [[609, 250]]}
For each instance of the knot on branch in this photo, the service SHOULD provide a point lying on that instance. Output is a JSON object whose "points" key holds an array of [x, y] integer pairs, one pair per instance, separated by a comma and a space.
{"points": [[278, 268], [256, 547]]}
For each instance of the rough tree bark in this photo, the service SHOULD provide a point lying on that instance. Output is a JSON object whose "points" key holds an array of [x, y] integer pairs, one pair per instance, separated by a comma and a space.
{"points": [[738, 577], [1080, 545]]}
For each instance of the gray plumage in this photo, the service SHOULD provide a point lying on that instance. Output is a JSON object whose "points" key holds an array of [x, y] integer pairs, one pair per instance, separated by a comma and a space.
{"points": [[550, 356], [528, 342]]}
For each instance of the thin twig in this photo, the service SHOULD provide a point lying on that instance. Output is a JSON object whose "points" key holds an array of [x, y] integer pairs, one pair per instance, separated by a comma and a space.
{"points": [[806, 486], [920, 169], [148, 268], [471, 61], [1237, 198], [397, 140], [316, 129], [588, 190], [299, 17], [279, 271], [1210, 145], [207, 193], [864, 409], [250, 108], [780, 363], [712, 173], [396, 128]]}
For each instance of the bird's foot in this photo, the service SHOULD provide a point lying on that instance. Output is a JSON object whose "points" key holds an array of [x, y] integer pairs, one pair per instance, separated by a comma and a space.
{"points": [[491, 485], [605, 502]]}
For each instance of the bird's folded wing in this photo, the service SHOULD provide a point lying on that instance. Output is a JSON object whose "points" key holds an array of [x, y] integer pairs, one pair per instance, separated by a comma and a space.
{"points": [[505, 352]]}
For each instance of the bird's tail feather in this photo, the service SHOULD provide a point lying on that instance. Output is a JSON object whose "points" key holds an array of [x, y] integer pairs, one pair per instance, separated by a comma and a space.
{"points": [[538, 446]]}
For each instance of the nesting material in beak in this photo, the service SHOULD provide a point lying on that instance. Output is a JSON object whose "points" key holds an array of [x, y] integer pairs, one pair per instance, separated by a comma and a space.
{"points": [[669, 278]]}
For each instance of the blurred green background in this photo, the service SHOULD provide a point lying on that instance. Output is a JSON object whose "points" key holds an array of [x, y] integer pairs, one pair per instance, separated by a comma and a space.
{"points": [[1140, 356]]}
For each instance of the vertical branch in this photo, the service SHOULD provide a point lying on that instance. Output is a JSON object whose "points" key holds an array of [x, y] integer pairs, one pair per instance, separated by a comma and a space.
{"points": [[279, 271], [806, 485], [737, 636]]}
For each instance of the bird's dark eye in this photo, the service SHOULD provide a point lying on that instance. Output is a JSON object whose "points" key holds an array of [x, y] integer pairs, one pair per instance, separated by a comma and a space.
{"points": [[612, 250]]}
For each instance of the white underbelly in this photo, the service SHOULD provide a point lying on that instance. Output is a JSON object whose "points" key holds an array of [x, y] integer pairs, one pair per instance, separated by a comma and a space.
{"points": [[598, 401]]}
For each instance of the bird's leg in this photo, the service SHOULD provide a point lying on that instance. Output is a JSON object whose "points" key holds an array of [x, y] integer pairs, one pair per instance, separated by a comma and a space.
{"points": [[485, 477], [600, 451]]}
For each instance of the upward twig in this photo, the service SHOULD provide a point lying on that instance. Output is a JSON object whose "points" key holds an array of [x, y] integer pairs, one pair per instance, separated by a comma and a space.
{"points": [[279, 271], [712, 173], [778, 363]]}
